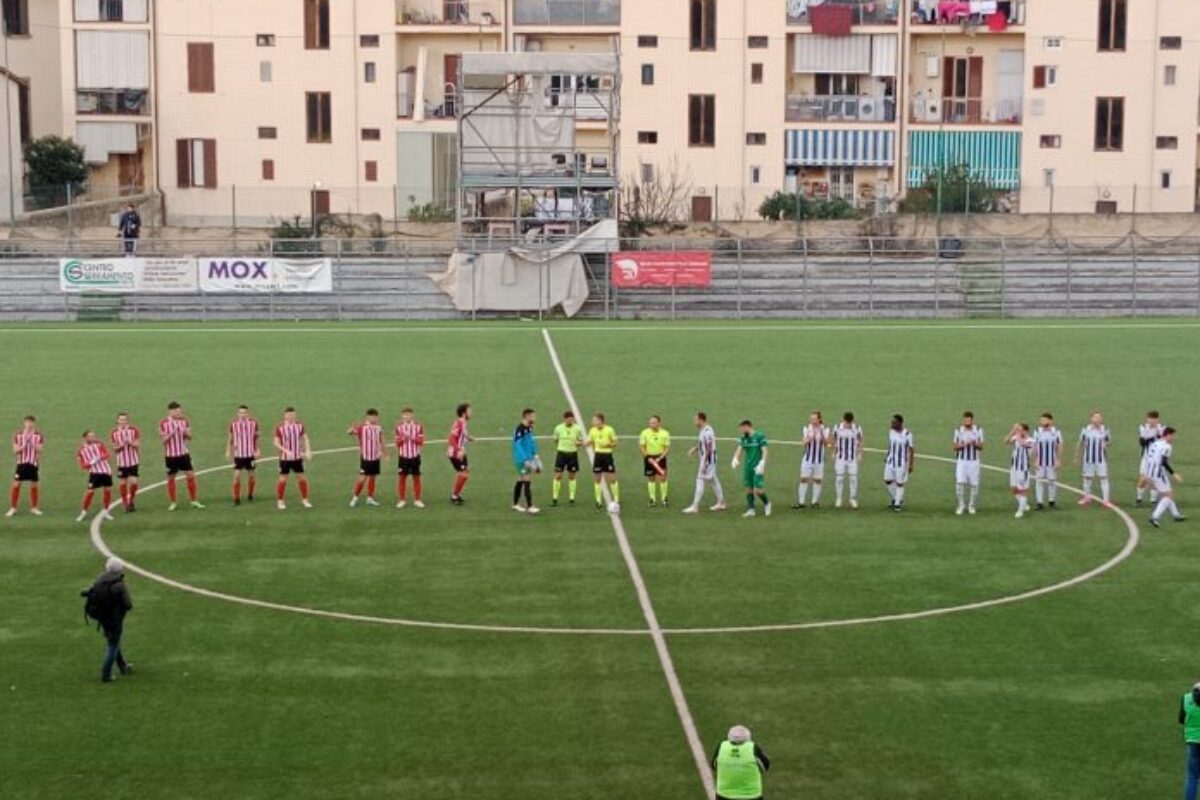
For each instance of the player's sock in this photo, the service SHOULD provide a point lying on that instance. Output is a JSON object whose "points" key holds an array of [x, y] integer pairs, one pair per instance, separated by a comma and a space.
{"points": [[816, 493], [87, 499], [615, 488], [1104, 489], [1052, 491], [599, 491], [555, 488], [699, 492], [528, 489], [237, 490], [250, 484], [719, 490], [666, 490], [358, 486], [459, 483], [651, 488], [280, 488], [132, 490], [899, 495], [1174, 509], [1039, 490], [766, 501], [517, 492], [1141, 493], [371, 486], [750, 500], [172, 489], [839, 483], [107, 498], [853, 487], [891, 490], [191, 487], [35, 493], [1160, 509], [402, 487], [14, 496], [974, 495], [124, 493], [1022, 502], [1153, 496], [303, 488], [802, 493], [416, 487], [1087, 487], [571, 489]]}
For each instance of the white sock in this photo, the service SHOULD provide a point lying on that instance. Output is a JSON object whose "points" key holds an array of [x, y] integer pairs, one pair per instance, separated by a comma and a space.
{"points": [[802, 493], [1040, 490], [900, 494], [853, 487], [959, 490], [1153, 496], [718, 490], [1052, 491], [816, 493], [1104, 489], [974, 495], [1174, 508], [1087, 487], [891, 489], [1161, 508], [1141, 493], [699, 492], [1022, 503], [838, 483]]}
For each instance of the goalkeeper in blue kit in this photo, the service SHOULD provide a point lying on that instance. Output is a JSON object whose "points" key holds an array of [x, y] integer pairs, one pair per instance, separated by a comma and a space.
{"points": [[527, 462]]}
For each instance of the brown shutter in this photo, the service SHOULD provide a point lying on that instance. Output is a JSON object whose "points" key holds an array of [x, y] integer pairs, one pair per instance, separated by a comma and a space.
{"points": [[201, 75], [372, 171], [268, 169], [947, 76], [183, 163], [310, 24], [1039, 77], [210, 163]]}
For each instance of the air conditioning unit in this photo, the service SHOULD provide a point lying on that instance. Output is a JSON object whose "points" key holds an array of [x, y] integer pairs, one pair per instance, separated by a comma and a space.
{"points": [[933, 110], [870, 110], [533, 45], [850, 106]]}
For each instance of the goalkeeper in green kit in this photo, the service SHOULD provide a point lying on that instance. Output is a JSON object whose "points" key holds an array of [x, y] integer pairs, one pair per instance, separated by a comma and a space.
{"points": [[752, 456]]}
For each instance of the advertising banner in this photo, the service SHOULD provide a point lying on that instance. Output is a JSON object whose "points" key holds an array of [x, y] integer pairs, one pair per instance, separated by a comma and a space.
{"points": [[262, 274], [686, 268], [128, 275]]}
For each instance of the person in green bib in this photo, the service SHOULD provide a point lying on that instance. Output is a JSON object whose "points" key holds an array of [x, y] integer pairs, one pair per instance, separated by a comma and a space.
{"points": [[740, 765], [1189, 718], [568, 438]]}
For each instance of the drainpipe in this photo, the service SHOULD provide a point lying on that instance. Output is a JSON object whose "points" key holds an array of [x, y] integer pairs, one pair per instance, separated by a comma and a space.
{"points": [[154, 104]]}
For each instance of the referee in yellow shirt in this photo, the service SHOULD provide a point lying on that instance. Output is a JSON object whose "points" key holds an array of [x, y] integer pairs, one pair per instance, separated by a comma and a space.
{"points": [[655, 443], [603, 441]]}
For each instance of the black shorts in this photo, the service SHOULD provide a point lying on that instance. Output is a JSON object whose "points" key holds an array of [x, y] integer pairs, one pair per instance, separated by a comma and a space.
{"points": [[368, 468], [177, 464], [409, 466], [650, 471], [96, 481], [604, 463], [288, 467], [459, 464], [26, 472], [127, 472], [566, 462], [246, 464]]}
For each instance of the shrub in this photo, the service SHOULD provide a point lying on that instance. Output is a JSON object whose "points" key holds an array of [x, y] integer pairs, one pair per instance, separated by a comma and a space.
{"points": [[54, 164], [793, 206], [951, 190]]}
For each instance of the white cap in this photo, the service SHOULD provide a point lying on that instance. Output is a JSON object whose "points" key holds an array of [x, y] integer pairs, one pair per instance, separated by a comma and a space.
{"points": [[114, 564], [739, 734]]}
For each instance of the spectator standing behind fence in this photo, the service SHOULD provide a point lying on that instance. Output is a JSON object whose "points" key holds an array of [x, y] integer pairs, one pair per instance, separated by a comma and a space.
{"points": [[129, 229]]}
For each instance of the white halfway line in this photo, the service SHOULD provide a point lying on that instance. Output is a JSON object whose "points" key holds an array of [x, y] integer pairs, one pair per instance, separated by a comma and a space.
{"points": [[635, 573]]}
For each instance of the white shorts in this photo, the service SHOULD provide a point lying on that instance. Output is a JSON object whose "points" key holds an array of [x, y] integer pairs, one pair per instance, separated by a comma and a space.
{"points": [[1047, 473], [1144, 468], [1018, 479], [897, 475], [966, 472], [843, 467], [814, 471], [1161, 485], [1095, 470]]}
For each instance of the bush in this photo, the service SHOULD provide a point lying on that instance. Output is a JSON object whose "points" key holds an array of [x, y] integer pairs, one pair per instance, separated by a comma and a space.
{"points": [[294, 236], [961, 192], [55, 164], [793, 206], [429, 212]]}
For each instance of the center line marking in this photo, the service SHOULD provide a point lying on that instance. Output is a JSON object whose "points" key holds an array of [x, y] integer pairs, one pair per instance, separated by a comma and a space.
{"points": [[635, 573]]}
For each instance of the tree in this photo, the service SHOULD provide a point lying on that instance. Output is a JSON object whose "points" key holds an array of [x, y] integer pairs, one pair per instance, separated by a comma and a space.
{"points": [[54, 164], [661, 200], [954, 189]]}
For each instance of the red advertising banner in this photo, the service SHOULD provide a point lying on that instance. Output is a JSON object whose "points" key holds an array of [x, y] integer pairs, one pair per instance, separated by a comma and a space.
{"points": [[689, 268]]}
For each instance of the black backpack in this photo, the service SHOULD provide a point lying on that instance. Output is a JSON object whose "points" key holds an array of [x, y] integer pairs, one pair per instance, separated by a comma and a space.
{"points": [[99, 601]]}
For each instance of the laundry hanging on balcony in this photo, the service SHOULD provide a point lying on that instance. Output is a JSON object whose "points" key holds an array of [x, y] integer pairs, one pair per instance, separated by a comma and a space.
{"points": [[831, 20]]}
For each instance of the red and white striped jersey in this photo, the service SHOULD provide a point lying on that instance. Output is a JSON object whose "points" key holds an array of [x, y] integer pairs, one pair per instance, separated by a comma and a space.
{"points": [[94, 458], [410, 438], [459, 437], [290, 436], [174, 433], [370, 441], [123, 442], [243, 437], [27, 446]]}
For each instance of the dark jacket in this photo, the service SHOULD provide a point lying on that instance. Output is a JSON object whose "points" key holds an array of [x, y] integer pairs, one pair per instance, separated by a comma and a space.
{"points": [[130, 225], [120, 603]]}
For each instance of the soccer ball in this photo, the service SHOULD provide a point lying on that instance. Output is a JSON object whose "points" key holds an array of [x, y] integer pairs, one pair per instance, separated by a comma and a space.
{"points": [[614, 507]]}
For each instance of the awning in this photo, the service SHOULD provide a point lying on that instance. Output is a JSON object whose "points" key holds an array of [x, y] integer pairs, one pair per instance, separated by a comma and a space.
{"points": [[848, 54], [841, 148], [528, 63], [99, 139], [994, 156]]}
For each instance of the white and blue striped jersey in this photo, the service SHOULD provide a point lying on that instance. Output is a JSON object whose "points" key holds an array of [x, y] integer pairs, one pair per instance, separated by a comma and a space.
{"points": [[706, 447], [970, 438], [817, 436], [1095, 444], [899, 444], [1022, 454], [1158, 458], [1048, 442], [1148, 435], [847, 442]]}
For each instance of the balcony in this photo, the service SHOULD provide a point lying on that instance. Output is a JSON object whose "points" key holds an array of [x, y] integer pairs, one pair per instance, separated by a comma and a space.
{"points": [[840, 108], [862, 12], [992, 15], [452, 13], [965, 111], [120, 102], [567, 12]]}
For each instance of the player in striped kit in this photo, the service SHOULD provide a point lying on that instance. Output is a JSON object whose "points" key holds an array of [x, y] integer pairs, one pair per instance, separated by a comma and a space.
{"points": [[456, 451], [27, 446], [812, 463], [706, 451], [1092, 452], [1149, 432], [241, 445], [410, 441], [1019, 468], [176, 433], [968, 445], [900, 461], [291, 440], [369, 434], [847, 456], [1049, 445], [126, 440], [1162, 474], [93, 458]]}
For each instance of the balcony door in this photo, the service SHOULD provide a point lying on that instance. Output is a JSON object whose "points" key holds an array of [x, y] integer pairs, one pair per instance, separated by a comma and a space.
{"points": [[962, 89], [450, 62]]}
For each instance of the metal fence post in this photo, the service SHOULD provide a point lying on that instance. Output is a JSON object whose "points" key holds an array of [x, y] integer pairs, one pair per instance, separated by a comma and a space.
{"points": [[804, 276], [937, 289], [870, 276], [607, 276], [474, 259], [1003, 279], [541, 287], [1134, 278], [739, 278], [233, 211]]}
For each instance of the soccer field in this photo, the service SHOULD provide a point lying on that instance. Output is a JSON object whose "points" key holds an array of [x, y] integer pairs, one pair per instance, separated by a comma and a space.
{"points": [[469, 651]]}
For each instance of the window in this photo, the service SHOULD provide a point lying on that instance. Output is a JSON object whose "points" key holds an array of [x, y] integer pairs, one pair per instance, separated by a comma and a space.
{"points": [[200, 77], [1170, 43], [265, 40], [758, 42], [196, 163], [371, 134], [371, 171], [1048, 179], [702, 118], [268, 133], [1052, 43], [756, 73], [1112, 25], [1050, 141], [1166, 142], [647, 74], [647, 41], [1164, 179], [703, 24], [318, 110], [264, 71], [646, 173], [647, 137], [24, 115], [755, 138], [316, 24], [16, 17], [1106, 206], [368, 40], [1044, 76], [112, 11], [369, 72], [1110, 123], [755, 175], [1169, 73], [268, 169], [836, 84]]}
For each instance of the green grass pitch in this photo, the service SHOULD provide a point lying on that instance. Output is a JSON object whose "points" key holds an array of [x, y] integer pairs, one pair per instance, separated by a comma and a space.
{"points": [[1069, 695]]}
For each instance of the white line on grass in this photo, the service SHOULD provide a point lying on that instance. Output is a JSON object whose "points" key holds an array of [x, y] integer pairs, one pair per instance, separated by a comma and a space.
{"points": [[639, 584]]}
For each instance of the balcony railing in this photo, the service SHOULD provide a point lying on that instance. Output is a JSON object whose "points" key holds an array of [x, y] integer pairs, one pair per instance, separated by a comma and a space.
{"points": [[840, 108], [980, 13], [449, 12], [130, 102], [862, 12], [567, 12], [966, 111]]}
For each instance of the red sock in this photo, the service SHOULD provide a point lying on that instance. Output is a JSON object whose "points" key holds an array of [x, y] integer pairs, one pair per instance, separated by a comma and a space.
{"points": [[402, 487], [87, 499], [124, 493], [107, 498], [280, 488], [33, 495], [237, 490], [14, 496], [132, 491], [371, 486], [303, 488], [250, 484], [191, 484], [459, 483], [358, 486], [416, 487], [171, 490]]}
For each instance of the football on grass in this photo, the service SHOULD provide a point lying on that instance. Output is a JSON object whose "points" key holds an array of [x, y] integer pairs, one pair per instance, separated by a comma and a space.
{"points": [[614, 507]]}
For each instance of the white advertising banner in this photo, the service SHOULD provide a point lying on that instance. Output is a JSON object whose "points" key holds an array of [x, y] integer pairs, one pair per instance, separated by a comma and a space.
{"points": [[129, 275], [263, 274]]}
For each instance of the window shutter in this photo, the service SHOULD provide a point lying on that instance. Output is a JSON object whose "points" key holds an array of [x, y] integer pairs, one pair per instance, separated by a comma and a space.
{"points": [[268, 169], [310, 24], [1039, 77], [200, 67], [210, 163], [183, 163], [372, 171]]}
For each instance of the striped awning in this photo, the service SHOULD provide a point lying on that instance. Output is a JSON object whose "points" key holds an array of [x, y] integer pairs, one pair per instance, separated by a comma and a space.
{"points": [[841, 148], [994, 156]]}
